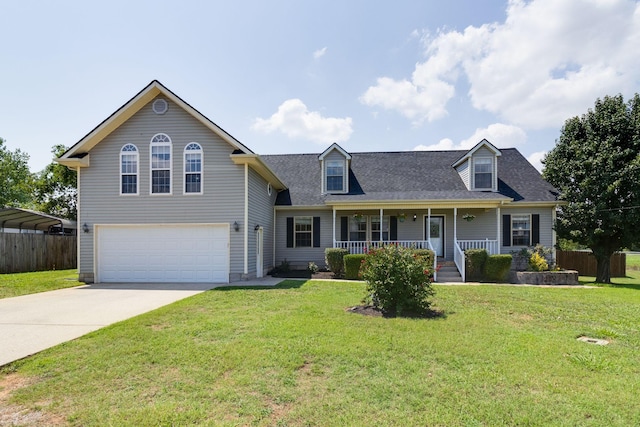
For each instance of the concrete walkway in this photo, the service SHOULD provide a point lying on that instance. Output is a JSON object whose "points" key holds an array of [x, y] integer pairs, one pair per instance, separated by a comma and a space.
{"points": [[32, 323]]}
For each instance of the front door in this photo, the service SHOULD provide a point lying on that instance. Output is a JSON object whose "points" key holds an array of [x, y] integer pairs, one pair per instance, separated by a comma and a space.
{"points": [[435, 232]]}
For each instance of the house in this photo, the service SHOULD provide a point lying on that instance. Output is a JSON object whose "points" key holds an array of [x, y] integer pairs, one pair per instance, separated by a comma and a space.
{"points": [[166, 195]]}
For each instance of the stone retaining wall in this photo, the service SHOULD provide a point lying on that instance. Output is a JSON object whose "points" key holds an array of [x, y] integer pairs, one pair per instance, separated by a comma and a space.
{"points": [[565, 277]]}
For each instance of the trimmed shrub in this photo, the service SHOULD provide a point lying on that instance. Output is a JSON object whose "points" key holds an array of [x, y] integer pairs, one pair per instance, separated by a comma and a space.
{"points": [[475, 260], [428, 254], [497, 267], [352, 264], [398, 282], [334, 259], [537, 262]]}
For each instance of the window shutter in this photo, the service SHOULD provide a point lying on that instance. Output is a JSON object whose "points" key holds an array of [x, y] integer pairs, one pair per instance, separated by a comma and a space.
{"points": [[535, 229], [316, 231], [344, 228], [506, 230], [289, 231], [393, 228]]}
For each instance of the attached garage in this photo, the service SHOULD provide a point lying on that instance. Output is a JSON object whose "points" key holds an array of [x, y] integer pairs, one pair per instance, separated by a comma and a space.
{"points": [[176, 253]]}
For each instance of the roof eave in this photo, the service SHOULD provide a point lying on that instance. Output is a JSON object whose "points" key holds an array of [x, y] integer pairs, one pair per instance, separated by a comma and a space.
{"points": [[260, 167]]}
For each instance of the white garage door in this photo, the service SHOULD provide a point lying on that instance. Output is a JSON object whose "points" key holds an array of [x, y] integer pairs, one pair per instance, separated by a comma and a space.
{"points": [[184, 253]]}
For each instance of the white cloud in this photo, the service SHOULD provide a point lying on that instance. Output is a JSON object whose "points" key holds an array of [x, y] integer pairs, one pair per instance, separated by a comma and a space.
{"points": [[549, 60], [319, 53], [444, 144], [536, 159], [294, 119], [499, 134]]}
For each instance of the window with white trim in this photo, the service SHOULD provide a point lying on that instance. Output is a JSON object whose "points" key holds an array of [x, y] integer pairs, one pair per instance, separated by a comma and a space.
{"points": [[303, 231], [335, 176], [375, 228], [193, 168], [129, 169], [161, 164], [521, 230], [483, 173], [358, 228]]}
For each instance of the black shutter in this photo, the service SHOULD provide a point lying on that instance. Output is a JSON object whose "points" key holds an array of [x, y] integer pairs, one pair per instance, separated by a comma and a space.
{"points": [[535, 229], [316, 231], [393, 228], [344, 228], [289, 231], [506, 230]]}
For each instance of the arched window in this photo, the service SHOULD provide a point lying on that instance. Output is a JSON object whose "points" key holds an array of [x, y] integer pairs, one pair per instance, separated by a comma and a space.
{"points": [[161, 164], [129, 169], [193, 168]]}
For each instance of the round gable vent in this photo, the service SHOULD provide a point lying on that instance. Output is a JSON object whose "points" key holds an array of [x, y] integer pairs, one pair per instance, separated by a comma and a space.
{"points": [[160, 106]]}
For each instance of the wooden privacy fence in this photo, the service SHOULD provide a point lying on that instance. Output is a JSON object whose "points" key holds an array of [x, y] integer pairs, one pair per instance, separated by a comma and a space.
{"points": [[585, 263], [36, 252]]}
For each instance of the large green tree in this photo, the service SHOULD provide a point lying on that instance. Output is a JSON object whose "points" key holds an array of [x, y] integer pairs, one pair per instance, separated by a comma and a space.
{"points": [[15, 177], [596, 166], [55, 189]]}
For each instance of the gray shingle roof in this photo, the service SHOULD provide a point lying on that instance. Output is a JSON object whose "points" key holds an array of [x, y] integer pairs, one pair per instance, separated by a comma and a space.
{"points": [[408, 175]]}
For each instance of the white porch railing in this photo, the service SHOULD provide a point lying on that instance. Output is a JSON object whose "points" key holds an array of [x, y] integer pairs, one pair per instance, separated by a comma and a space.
{"points": [[459, 259], [363, 247], [435, 261], [491, 246]]}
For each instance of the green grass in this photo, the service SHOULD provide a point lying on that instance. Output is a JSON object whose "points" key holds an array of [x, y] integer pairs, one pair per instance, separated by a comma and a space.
{"points": [[631, 280], [16, 284], [633, 262], [292, 356]]}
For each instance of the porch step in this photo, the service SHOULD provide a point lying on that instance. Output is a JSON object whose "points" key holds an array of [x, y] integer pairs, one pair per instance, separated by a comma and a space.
{"points": [[448, 274]]}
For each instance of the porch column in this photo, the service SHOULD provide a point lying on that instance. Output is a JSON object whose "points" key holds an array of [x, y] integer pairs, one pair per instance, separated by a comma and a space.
{"points": [[498, 234], [334, 226], [429, 225], [455, 225], [381, 223]]}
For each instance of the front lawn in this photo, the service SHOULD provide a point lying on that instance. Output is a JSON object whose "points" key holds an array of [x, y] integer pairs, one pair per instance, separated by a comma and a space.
{"points": [[293, 356], [16, 284]]}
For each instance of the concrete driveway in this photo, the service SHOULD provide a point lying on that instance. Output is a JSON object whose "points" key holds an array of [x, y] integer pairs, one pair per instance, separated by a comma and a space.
{"points": [[32, 323]]}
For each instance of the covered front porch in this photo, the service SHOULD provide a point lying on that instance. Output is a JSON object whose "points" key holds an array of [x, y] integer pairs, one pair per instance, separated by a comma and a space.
{"points": [[448, 231]]}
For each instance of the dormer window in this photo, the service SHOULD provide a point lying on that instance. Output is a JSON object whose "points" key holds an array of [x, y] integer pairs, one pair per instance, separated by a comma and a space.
{"points": [[483, 173], [335, 176]]}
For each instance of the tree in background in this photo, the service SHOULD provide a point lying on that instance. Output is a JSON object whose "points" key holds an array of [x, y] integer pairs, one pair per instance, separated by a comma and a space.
{"points": [[596, 167], [15, 177], [55, 189]]}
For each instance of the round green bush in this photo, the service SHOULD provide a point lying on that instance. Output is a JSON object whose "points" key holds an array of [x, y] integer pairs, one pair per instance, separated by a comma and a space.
{"points": [[475, 261], [398, 280], [352, 264], [334, 259]]}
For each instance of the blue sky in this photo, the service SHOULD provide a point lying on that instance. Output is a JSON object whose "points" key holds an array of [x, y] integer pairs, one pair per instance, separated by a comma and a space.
{"points": [[295, 76]]}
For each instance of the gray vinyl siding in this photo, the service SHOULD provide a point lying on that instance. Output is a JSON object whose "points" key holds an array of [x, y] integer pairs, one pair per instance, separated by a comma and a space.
{"points": [[222, 200], [300, 257], [463, 171], [260, 213], [336, 155], [546, 226]]}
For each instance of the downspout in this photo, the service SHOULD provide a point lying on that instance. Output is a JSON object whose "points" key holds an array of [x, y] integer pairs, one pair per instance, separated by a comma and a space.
{"points": [[273, 240], [246, 219]]}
